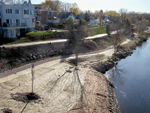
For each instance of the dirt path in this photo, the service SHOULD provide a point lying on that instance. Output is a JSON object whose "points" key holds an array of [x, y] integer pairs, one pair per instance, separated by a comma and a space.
{"points": [[58, 89], [125, 42]]}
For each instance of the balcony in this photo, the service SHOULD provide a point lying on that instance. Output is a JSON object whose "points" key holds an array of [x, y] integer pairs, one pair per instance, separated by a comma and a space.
{"points": [[54, 21], [0, 14], [14, 25]]}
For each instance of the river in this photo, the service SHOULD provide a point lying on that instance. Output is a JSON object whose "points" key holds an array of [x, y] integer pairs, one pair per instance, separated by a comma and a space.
{"points": [[131, 77]]}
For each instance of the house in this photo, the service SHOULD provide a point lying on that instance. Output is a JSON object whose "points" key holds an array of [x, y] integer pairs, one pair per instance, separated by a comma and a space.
{"points": [[37, 6], [46, 16], [65, 15], [16, 19], [94, 21], [106, 19], [78, 17]]}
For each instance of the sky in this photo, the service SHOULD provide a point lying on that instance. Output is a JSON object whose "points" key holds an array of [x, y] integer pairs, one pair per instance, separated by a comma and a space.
{"points": [[106, 5]]}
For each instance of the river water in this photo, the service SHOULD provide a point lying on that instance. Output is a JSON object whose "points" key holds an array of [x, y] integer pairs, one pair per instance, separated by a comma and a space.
{"points": [[131, 76]]}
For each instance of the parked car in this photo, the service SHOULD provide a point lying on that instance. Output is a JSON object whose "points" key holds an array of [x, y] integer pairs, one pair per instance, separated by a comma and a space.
{"points": [[46, 27]]}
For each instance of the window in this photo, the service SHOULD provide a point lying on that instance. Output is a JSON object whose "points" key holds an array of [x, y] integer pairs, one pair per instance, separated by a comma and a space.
{"points": [[12, 33], [9, 21], [18, 21], [16, 11], [26, 12], [8, 11], [26, 22], [39, 18], [33, 23], [30, 12]]}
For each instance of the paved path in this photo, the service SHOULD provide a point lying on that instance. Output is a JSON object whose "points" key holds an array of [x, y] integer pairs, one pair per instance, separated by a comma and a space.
{"points": [[125, 42], [15, 70], [99, 36], [53, 41]]}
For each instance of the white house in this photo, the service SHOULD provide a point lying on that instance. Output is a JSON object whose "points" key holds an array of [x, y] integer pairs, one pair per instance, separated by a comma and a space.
{"points": [[16, 19]]}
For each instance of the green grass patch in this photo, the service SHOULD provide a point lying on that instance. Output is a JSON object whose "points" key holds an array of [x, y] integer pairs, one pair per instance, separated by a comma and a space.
{"points": [[95, 31], [35, 34]]}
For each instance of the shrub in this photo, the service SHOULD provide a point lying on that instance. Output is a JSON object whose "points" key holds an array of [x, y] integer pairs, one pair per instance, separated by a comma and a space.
{"points": [[60, 26], [8, 40]]}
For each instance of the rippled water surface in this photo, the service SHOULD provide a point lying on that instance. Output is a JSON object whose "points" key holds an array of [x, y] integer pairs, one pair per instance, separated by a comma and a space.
{"points": [[132, 79]]}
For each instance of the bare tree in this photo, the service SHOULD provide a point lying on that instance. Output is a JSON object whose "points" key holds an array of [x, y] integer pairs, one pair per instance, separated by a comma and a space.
{"points": [[123, 13], [76, 38], [117, 38], [64, 7], [32, 72]]}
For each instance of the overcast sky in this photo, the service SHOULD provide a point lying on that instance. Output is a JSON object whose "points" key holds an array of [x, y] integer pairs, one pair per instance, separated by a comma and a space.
{"points": [[93, 5]]}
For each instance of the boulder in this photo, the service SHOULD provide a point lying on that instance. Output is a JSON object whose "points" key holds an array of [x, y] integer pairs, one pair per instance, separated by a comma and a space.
{"points": [[27, 59], [51, 53], [40, 56], [110, 65], [34, 58], [102, 69], [23, 60], [120, 55], [19, 61]]}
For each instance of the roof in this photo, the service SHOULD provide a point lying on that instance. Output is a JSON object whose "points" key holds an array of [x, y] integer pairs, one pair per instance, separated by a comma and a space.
{"points": [[37, 5], [64, 15], [94, 21], [80, 16]]}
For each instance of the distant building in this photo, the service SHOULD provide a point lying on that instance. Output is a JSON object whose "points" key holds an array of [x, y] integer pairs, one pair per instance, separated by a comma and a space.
{"points": [[78, 17], [46, 16], [94, 21], [37, 6], [65, 15], [16, 19]]}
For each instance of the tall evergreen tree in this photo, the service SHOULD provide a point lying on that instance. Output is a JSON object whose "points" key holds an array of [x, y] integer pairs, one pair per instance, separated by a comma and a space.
{"points": [[87, 17]]}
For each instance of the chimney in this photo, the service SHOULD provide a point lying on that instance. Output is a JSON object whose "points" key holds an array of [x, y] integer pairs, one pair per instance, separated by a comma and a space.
{"points": [[29, 1]]}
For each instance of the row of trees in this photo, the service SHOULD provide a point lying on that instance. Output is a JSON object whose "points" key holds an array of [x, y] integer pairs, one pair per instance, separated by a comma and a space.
{"points": [[61, 6]]}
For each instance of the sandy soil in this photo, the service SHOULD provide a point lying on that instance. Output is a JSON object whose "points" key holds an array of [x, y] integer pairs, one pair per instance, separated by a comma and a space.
{"points": [[90, 59], [60, 86], [94, 98]]}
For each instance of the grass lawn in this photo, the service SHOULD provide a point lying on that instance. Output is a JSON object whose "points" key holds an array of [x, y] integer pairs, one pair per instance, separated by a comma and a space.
{"points": [[35, 34], [95, 31]]}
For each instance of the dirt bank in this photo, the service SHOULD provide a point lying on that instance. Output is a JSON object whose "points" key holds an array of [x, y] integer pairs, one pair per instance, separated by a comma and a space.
{"points": [[95, 97]]}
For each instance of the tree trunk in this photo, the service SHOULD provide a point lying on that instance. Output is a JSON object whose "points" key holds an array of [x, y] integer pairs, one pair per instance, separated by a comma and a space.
{"points": [[32, 71], [76, 52]]}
